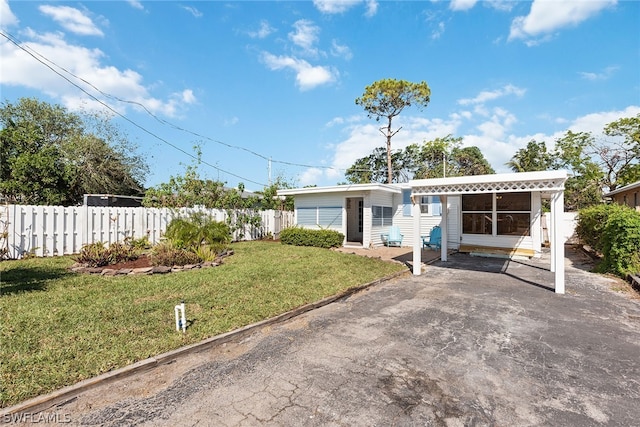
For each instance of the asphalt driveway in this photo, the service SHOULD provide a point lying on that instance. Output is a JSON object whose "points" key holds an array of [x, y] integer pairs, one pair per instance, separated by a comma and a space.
{"points": [[474, 341]]}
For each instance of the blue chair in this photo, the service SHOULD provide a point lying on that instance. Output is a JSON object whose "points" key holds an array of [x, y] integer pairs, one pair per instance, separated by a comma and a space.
{"points": [[434, 240], [393, 237]]}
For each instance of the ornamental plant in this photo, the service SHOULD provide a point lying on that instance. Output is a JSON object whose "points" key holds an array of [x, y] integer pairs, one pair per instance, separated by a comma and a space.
{"points": [[613, 231], [299, 236]]}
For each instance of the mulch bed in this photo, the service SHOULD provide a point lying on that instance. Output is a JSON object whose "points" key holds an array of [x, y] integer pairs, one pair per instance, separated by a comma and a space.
{"points": [[143, 265]]}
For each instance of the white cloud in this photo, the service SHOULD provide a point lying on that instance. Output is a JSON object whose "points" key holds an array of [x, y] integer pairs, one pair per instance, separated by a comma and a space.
{"points": [[7, 18], [458, 5], [604, 75], [187, 96], [372, 8], [310, 176], [435, 34], [307, 75], [136, 4], [335, 6], [22, 69], [547, 17], [192, 10], [264, 31], [485, 96], [342, 51], [340, 6], [595, 122], [501, 5], [305, 36], [72, 20], [363, 137]]}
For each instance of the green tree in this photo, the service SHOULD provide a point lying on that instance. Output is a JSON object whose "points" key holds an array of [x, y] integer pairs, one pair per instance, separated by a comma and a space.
{"points": [[431, 159], [373, 168], [620, 156], [49, 155], [387, 98], [583, 188], [269, 198], [469, 161], [534, 157]]}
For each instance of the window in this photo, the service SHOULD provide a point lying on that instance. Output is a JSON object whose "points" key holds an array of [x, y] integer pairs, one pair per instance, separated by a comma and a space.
{"points": [[428, 204], [382, 216], [512, 214], [477, 213], [324, 216], [424, 204]]}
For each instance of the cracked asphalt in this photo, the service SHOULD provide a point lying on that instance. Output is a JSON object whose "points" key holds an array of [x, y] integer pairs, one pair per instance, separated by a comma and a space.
{"points": [[472, 342]]}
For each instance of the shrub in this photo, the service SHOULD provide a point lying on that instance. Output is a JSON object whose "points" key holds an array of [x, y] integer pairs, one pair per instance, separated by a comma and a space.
{"points": [[97, 255], [94, 255], [206, 252], [614, 231], [166, 253], [299, 236], [591, 223], [198, 229], [138, 244]]}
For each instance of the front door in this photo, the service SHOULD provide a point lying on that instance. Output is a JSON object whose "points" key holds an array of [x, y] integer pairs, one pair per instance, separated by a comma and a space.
{"points": [[355, 219]]}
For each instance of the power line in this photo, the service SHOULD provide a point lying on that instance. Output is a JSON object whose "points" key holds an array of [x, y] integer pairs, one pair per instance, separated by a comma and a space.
{"points": [[42, 59], [28, 51]]}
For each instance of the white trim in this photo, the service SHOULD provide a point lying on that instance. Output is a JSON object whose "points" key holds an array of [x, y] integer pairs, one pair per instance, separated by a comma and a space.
{"points": [[340, 189], [496, 183]]}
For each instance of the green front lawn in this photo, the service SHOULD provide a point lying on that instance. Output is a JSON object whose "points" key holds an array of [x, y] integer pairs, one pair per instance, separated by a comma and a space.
{"points": [[59, 327]]}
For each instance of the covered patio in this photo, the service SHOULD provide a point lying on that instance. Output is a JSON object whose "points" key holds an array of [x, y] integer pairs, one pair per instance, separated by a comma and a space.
{"points": [[545, 184]]}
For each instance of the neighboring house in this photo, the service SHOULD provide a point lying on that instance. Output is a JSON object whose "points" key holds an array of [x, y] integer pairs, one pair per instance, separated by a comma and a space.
{"points": [[628, 195], [496, 214]]}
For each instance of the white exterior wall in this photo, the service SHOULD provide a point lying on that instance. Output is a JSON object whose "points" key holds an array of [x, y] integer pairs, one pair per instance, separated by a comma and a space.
{"points": [[380, 198], [428, 221]]}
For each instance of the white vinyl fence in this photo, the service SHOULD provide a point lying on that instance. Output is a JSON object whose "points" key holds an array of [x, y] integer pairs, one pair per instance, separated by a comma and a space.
{"points": [[57, 230]]}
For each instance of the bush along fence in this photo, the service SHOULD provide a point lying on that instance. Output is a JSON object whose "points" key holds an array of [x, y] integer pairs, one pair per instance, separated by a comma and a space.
{"points": [[56, 230]]}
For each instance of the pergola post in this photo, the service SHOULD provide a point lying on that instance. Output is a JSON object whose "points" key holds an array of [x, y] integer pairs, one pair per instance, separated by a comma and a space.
{"points": [[444, 228], [417, 241], [557, 243]]}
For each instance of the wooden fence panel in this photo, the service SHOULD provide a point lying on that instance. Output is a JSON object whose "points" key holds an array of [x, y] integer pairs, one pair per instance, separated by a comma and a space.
{"points": [[58, 230]]}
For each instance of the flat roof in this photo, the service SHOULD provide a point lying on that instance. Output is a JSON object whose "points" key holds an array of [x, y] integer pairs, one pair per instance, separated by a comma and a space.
{"points": [[391, 188]]}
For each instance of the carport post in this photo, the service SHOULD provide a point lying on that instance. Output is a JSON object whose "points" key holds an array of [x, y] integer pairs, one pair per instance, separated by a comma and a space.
{"points": [[444, 228], [417, 241], [557, 243]]}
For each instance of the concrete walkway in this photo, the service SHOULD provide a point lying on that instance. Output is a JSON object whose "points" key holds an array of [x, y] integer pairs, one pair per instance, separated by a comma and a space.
{"points": [[474, 341]]}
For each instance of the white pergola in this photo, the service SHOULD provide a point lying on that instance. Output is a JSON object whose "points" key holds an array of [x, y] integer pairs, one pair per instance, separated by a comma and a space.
{"points": [[549, 183]]}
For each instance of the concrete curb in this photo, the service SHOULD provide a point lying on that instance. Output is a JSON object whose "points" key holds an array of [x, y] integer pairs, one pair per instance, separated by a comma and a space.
{"points": [[66, 394]]}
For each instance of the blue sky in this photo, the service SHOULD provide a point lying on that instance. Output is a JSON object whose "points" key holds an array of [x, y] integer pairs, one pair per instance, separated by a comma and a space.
{"points": [[252, 81]]}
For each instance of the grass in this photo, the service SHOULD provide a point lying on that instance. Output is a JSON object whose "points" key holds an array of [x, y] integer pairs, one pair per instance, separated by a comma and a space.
{"points": [[59, 327]]}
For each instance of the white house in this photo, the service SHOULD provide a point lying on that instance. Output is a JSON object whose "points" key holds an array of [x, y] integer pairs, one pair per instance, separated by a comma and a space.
{"points": [[499, 214]]}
